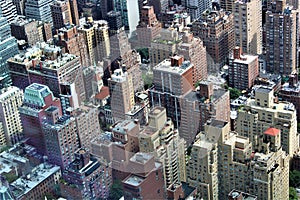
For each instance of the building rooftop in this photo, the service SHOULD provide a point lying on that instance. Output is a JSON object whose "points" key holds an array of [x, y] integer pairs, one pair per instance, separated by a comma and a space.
{"points": [[272, 131], [165, 66], [35, 94], [124, 126], [134, 180], [288, 88], [40, 173], [141, 157], [104, 93], [11, 91], [235, 194], [245, 59]]}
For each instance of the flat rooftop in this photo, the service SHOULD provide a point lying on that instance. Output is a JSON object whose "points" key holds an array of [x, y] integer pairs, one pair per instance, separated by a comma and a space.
{"points": [[165, 66], [134, 180], [124, 126]]}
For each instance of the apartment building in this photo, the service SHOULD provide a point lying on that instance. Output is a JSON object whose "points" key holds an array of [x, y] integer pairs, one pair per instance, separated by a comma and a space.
{"points": [[243, 69], [248, 25], [61, 13], [11, 99]]}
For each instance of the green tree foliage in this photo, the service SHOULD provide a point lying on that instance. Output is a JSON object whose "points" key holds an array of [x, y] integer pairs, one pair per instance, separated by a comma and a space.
{"points": [[234, 93], [293, 194], [148, 80], [144, 52], [116, 190], [295, 179], [10, 177]]}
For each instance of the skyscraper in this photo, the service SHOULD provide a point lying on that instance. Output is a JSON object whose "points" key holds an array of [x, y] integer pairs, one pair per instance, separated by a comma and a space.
{"points": [[216, 30], [122, 94], [281, 38], [248, 25], [8, 48], [61, 13], [9, 10], [74, 12], [37, 98], [39, 10]]}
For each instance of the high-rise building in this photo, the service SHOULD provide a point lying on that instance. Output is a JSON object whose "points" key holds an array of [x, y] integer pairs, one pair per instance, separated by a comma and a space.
{"points": [[162, 139], [159, 7], [86, 177], [61, 137], [243, 70], [222, 161], [129, 12], [248, 25], [146, 175], [50, 67], [74, 12], [9, 10], [8, 48], [197, 7], [102, 40], [26, 29], [261, 113], [11, 99], [148, 28], [87, 122], [122, 94], [37, 98], [227, 5], [192, 49], [281, 38], [216, 30], [20, 6], [61, 13], [164, 46], [73, 42], [38, 10]]}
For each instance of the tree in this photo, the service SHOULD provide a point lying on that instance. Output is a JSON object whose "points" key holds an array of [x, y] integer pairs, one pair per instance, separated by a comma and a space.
{"points": [[294, 178], [144, 52], [293, 194], [10, 177], [116, 190], [148, 80], [234, 93]]}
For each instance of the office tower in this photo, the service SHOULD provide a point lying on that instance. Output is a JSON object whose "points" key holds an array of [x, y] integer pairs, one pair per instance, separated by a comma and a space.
{"points": [[122, 94], [281, 38], [8, 48], [86, 177], [37, 98], [243, 69], [148, 28], [146, 175], [74, 12], [87, 122], [216, 30], [36, 184], [72, 42], [9, 10], [192, 49], [61, 137], [93, 82], [261, 113], [197, 7], [20, 6], [106, 6], [119, 43], [26, 29], [2, 136], [11, 99], [38, 10], [248, 25], [162, 139], [129, 11], [61, 13], [164, 46]]}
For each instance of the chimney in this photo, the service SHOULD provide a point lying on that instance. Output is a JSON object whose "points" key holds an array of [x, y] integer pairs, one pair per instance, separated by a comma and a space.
{"points": [[237, 52], [176, 61]]}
